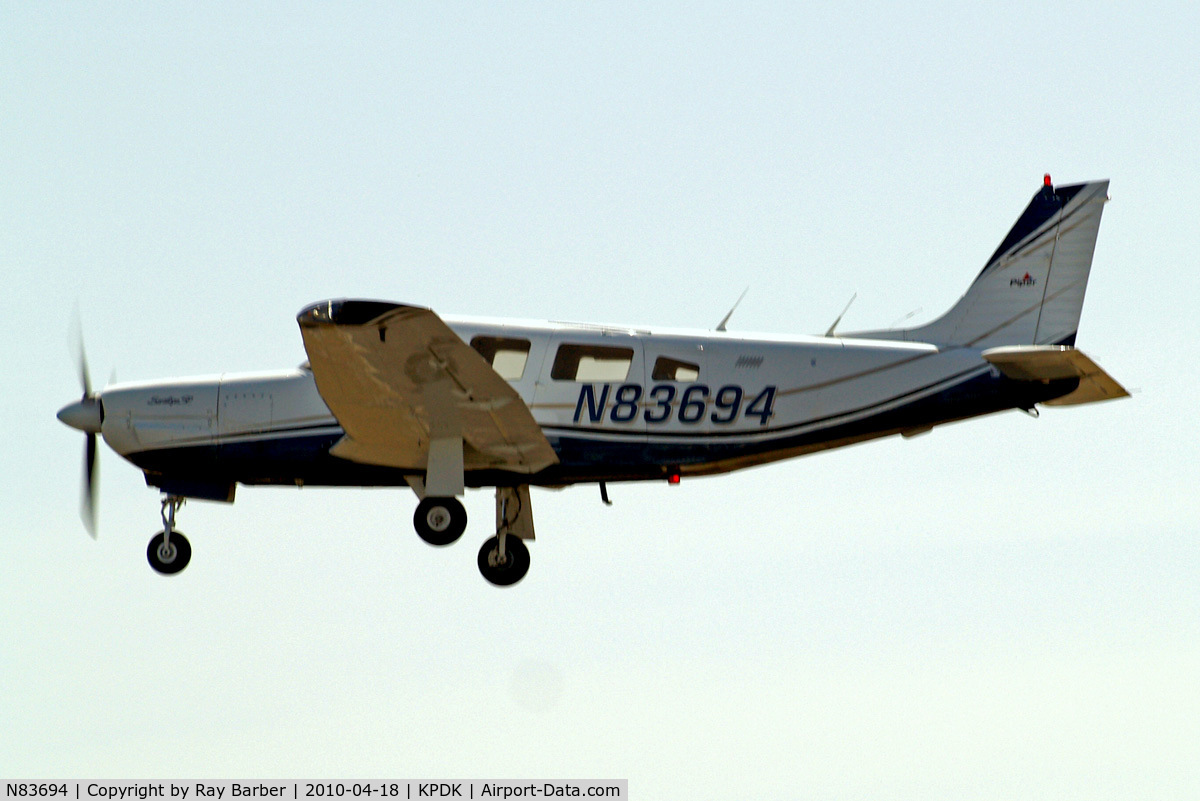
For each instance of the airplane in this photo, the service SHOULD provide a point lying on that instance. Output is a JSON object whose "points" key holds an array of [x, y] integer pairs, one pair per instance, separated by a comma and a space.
{"points": [[395, 395]]}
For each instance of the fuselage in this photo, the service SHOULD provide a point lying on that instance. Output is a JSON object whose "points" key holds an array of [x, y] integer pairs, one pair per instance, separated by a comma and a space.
{"points": [[615, 403]]}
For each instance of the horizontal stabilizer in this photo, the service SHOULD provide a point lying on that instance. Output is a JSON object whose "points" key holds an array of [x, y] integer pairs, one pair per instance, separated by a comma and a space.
{"points": [[1056, 362]]}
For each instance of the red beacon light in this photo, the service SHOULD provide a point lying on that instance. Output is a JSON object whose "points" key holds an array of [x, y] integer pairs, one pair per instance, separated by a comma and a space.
{"points": [[1046, 180], [673, 478]]}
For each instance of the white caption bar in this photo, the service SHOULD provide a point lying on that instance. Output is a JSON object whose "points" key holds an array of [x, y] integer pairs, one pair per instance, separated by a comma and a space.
{"points": [[378, 790]]}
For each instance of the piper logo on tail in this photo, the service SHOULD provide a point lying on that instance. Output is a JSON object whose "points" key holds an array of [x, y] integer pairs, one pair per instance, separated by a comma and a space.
{"points": [[1025, 280]]}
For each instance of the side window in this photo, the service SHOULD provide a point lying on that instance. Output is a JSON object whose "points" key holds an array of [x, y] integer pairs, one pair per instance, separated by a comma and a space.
{"points": [[591, 363], [506, 356], [666, 369]]}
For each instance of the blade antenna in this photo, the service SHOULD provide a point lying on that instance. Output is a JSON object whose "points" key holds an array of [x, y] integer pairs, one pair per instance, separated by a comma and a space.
{"points": [[829, 333], [725, 319], [906, 317]]}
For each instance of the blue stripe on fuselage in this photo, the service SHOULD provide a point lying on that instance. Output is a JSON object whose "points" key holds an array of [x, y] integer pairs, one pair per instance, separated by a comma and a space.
{"points": [[305, 458]]}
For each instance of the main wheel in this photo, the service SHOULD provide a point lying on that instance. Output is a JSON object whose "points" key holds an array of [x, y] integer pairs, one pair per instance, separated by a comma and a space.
{"points": [[169, 557], [440, 521], [507, 570]]}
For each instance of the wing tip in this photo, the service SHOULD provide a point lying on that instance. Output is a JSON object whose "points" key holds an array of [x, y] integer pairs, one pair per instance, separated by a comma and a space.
{"points": [[349, 311]]}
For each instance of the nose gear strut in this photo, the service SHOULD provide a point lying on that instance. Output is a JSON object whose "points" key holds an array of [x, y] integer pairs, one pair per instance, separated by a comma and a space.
{"points": [[169, 551]]}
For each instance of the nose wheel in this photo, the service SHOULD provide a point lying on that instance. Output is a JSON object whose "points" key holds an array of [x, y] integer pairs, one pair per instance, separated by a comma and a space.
{"points": [[169, 551], [168, 556]]}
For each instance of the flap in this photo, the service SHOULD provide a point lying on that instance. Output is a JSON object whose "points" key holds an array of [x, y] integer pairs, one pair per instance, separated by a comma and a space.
{"points": [[1056, 362], [397, 376]]}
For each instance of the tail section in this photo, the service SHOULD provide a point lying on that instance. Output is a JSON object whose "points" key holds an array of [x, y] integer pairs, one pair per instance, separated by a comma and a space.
{"points": [[1031, 290]]}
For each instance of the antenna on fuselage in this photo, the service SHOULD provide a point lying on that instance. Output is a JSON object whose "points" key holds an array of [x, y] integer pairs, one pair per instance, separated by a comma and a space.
{"points": [[830, 333], [906, 317], [725, 319]]}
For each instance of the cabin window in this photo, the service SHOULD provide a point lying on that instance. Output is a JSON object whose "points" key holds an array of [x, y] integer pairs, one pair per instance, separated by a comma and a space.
{"points": [[591, 363], [668, 369], [506, 356]]}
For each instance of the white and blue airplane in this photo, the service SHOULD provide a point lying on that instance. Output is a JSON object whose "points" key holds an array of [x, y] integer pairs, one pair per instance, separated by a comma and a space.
{"points": [[395, 395]]}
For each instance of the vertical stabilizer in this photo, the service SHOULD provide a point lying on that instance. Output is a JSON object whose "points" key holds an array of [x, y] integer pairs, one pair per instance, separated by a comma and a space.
{"points": [[1031, 290]]}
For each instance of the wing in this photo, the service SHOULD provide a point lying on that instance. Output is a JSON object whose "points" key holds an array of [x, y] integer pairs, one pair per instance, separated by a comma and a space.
{"points": [[396, 377]]}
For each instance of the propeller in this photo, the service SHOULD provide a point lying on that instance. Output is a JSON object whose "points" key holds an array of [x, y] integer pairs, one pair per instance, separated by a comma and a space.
{"points": [[87, 505], [86, 415]]}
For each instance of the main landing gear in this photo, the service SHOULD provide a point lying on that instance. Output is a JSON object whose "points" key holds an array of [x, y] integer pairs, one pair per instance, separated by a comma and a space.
{"points": [[503, 559], [440, 521], [169, 551]]}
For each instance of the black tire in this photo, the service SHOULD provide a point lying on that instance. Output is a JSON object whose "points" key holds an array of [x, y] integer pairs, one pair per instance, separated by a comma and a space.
{"points": [[514, 567], [440, 521], [169, 563]]}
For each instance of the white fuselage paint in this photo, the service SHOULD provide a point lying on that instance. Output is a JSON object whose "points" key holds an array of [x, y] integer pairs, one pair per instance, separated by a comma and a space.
{"points": [[753, 395]]}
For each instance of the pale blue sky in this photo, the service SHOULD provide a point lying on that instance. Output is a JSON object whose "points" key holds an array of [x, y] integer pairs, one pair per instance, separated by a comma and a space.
{"points": [[1004, 608]]}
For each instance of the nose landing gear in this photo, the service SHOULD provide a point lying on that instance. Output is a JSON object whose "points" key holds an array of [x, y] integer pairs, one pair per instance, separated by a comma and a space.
{"points": [[169, 551]]}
